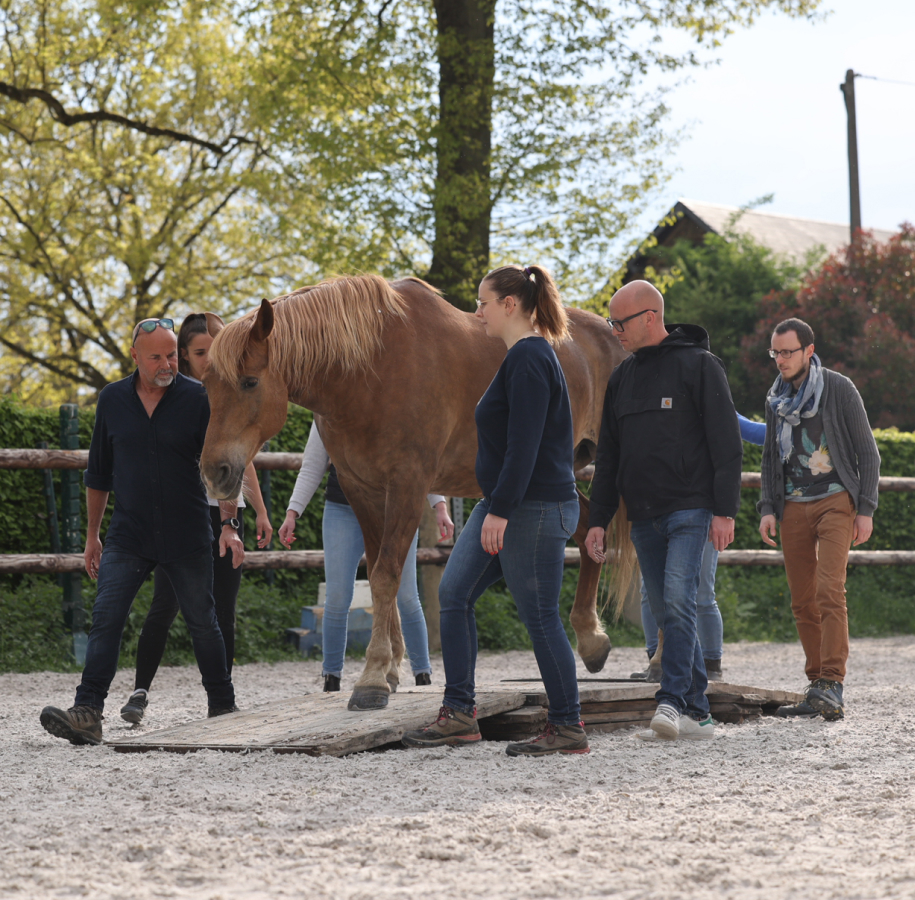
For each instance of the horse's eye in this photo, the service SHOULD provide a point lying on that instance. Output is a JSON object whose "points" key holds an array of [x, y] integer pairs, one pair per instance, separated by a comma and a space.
{"points": [[248, 383]]}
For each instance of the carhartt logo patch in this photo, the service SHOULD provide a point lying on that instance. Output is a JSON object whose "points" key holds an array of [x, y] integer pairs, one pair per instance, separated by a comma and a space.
{"points": [[667, 403]]}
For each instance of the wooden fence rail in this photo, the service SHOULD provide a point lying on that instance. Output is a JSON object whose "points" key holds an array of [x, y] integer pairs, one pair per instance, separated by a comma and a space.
{"points": [[429, 556], [290, 462]]}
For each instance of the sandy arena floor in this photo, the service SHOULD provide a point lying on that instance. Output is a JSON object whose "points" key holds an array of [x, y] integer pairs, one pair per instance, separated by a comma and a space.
{"points": [[769, 810]]}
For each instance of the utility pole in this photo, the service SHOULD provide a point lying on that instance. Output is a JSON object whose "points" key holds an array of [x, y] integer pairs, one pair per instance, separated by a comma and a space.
{"points": [[848, 89]]}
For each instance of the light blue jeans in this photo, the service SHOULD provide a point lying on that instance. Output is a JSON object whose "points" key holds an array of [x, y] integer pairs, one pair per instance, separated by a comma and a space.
{"points": [[670, 550], [343, 548], [708, 617], [531, 562]]}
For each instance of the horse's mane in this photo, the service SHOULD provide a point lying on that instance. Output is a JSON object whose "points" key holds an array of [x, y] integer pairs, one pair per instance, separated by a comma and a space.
{"points": [[337, 323]]}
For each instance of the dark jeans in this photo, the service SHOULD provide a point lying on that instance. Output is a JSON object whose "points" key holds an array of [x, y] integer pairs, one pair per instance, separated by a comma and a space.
{"points": [[119, 579], [164, 608], [531, 561], [670, 555]]}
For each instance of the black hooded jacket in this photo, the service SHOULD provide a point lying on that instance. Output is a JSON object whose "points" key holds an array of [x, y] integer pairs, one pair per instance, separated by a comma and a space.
{"points": [[669, 437]]}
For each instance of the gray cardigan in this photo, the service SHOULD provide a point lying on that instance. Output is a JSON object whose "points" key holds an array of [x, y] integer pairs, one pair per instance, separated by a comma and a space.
{"points": [[851, 446]]}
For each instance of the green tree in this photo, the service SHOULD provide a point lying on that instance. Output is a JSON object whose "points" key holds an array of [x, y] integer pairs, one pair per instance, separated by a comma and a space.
{"points": [[861, 305], [161, 155]]}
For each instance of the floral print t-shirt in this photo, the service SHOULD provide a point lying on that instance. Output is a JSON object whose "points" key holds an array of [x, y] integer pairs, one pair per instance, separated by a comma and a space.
{"points": [[809, 472]]}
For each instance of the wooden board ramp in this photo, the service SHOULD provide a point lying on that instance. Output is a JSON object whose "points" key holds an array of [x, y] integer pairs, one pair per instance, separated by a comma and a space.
{"points": [[614, 706], [316, 724], [320, 724]]}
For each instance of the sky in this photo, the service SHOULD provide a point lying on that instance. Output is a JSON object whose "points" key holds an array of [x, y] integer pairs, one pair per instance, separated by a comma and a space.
{"points": [[769, 118]]}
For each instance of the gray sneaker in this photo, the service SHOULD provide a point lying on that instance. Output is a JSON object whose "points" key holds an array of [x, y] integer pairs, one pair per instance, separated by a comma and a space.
{"points": [[135, 707]]}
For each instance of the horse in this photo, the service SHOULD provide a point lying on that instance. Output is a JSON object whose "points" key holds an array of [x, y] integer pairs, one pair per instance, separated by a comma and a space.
{"points": [[393, 373]]}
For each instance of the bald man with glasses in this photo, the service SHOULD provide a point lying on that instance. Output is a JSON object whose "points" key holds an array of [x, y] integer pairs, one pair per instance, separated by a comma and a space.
{"points": [[820, 471], [146, 444]]}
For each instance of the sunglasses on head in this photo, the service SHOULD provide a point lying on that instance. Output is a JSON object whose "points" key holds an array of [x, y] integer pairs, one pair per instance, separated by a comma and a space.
{"points": [[151, 325]]}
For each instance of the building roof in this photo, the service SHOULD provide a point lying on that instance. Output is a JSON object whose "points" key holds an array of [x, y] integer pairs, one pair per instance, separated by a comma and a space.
{"points": [[785, 235]]}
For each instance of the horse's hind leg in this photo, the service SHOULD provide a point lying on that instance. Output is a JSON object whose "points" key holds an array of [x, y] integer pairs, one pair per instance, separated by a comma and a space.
{"points": [[593, 644], [398, 648]]}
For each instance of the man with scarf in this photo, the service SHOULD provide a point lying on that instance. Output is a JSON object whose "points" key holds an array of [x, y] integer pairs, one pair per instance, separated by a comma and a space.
{"points": [[820, 470]]}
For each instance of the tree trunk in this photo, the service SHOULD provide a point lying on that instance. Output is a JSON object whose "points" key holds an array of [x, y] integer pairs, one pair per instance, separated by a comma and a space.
{"points": [[466, 54]]}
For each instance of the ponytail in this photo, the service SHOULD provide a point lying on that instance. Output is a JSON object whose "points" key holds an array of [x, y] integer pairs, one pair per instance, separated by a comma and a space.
{"points": [[537, 295]]}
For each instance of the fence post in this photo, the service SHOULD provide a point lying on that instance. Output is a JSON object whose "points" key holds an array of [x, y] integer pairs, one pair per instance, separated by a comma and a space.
{"points": [[71, 533], [50, 503], [266, 494]]}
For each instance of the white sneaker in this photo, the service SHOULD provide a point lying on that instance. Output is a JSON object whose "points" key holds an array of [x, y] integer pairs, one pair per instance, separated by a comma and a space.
{"points": [[688, 730], [666, 722], [691, 730]]}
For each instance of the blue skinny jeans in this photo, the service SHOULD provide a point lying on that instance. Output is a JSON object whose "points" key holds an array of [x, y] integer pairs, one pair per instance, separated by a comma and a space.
{"points": [[531, 562]]}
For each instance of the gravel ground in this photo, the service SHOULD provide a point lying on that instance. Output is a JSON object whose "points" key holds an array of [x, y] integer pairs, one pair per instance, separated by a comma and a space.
{"points": [[771, 809]]}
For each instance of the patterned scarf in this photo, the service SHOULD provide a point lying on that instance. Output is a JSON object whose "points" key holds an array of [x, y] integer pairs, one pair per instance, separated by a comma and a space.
{"points": [[791, 408]]}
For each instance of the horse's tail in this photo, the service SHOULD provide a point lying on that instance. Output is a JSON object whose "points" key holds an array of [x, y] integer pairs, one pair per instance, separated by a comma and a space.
{"points": [[625, 563]]}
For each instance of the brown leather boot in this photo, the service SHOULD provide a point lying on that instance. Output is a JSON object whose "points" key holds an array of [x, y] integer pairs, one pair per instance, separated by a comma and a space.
{"points": [[554, 739], [78, 724], [451, 727]]}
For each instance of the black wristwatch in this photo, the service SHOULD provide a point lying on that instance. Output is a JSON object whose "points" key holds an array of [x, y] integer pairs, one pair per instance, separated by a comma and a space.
{"points": [[233, 522]]}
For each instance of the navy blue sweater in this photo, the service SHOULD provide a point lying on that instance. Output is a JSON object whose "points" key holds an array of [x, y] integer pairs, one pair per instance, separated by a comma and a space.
{"points": [[524, 431]]}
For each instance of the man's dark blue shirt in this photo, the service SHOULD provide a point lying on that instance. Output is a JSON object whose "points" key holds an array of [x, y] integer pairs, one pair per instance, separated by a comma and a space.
{"points": [[151, 463]]}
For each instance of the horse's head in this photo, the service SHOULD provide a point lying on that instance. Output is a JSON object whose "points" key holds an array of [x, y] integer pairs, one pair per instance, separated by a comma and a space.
{"points": [[247, 396]]}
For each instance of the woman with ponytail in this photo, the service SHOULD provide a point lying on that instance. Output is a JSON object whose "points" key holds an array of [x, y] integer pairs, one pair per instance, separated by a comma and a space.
{"points": [[529, 510]]}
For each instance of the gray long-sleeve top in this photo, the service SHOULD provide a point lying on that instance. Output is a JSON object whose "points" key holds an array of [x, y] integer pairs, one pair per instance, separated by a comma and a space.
{"points": [[851, 443]]}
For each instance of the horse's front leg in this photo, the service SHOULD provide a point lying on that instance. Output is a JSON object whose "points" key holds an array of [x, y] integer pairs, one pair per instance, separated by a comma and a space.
{"points": [[593, 643], [385, 651]]}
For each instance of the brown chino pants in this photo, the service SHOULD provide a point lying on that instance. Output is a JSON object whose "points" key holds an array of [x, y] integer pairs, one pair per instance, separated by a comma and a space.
{"points": [[816, 538]]}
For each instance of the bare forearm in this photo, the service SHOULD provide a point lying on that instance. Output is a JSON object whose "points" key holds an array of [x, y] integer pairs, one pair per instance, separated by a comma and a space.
{"points": [[252, 490], [96, 502]]}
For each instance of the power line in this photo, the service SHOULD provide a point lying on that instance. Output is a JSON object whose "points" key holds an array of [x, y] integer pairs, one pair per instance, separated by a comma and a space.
{"points": [[886, 80]]}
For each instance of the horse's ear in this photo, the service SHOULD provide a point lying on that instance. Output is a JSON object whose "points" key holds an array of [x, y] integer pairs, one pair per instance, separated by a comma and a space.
{"points": [[214, 324], [263, 322]]}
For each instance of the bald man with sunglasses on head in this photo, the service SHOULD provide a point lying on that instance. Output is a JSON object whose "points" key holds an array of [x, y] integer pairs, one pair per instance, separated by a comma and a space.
{"points": [[148, 436]]}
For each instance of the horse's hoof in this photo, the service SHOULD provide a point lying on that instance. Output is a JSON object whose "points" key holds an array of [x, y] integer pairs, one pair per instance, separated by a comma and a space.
{"points": [[595, 661], [368, 698]]}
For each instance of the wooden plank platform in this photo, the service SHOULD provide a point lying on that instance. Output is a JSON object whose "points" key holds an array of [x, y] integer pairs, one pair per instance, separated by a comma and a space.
{"points": [[316, 724], [320, 724]]}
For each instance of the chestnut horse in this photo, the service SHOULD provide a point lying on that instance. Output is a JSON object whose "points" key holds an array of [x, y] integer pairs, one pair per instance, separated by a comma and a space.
{"points": [[393, 373]]}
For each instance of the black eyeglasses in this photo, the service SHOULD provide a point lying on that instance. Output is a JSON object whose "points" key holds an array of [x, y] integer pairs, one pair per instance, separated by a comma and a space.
{"points": [[784, 354], [617, 324], [150, 325]]}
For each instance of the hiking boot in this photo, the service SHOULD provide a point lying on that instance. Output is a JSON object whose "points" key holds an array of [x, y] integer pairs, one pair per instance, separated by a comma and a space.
{"points": [[713, 669], [825, 697], [214, 711], [666, 722], [451, 727], [78, 724], [331, 683], [688, 729], [799, 710], [423, 678], [135, 707], [554, 739]]}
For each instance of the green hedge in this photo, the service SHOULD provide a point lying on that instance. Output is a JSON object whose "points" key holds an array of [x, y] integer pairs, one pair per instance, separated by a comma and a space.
{"points": [[894, 523], [23, 521]]}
